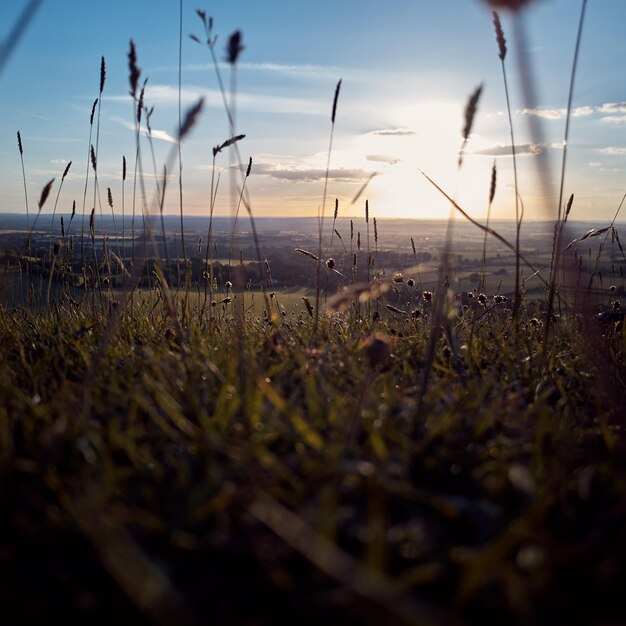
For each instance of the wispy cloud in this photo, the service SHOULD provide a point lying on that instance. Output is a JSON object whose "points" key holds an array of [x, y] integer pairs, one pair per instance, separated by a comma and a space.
{"points": [[556, 114], [392, 132], [382, 158], [612, 107], [614, 119], [260, 103], [162, 135], [295, 70], [58, 161], [613, 150], [310, 175], [524, 149]]}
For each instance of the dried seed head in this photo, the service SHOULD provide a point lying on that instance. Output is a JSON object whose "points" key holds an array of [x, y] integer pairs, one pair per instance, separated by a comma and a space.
{"points": [[375, 231], [358, 240], [227, 143], [93, 111], [134, 71], [234, 47], [190, 119], [123, 168], [103, 74], [19, 142], [569, 206], [307, 253], [468, 119], [410, 282], [142, 93], [367, 211], [492, 186], [413, 246], [330, 263], [398, 278], [45, 192], [249, 167], [335, 99], [499, 36], [427, 295], [57, 247], [93, 159], [309, 307], [336, 208], [109, 197], [470, 112], [66, 170]]}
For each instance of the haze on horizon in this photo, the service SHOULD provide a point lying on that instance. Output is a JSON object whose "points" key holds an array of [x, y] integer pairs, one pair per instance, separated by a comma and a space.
{"points": [[406, 75]]}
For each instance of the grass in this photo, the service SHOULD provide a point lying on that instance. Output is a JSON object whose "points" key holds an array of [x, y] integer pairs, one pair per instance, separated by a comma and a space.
{"points": [[401, 457], [500, 499]]}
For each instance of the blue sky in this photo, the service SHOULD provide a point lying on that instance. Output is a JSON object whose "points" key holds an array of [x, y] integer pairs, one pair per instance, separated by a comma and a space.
{"points": [[407, 69]]}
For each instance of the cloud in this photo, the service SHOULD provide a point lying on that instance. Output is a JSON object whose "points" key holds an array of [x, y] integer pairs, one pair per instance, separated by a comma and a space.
{"points": [[286, 69], [58, 161], [382, 158], [612, 107], [614, 119], [156, 133], [613, 151], [594, 164], [393, 132], [557, 114], [310, 175], [524, 149], [260, 103]]}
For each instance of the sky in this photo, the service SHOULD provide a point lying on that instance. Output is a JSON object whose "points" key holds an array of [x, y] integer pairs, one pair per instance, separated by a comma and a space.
{"points": [[407, 69]]}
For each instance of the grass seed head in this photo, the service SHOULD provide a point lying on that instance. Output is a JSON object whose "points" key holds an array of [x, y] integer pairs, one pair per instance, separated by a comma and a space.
{"points": [[103, 74], [134, 71], [335, 99], [499, 35], [45, 192], [234, 47]]}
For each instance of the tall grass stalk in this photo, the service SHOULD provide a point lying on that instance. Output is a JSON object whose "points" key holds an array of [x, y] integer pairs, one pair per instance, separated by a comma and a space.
{"points": [[556, 251], [180, 162], [322, 210], [21, 150], [233, 50], [492, 193], [519, 212], [84, 207]]}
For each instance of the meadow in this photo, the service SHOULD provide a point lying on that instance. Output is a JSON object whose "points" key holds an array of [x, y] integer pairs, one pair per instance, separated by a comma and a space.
{"points": [[375, 437]]}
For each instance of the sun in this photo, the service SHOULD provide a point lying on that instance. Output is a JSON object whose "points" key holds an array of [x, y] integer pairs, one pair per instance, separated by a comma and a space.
{"points": [[430, 142]]}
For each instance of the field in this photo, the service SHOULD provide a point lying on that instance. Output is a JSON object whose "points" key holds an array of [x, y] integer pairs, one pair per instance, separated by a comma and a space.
{"points": [[374, 422]]}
